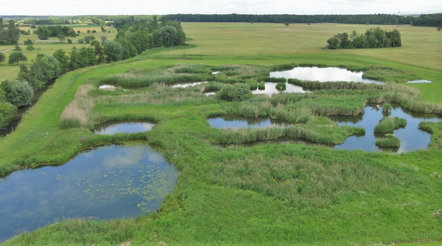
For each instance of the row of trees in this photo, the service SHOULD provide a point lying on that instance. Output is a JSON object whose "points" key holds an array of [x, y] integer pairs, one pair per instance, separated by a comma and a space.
{"points": [[44, 32], [9, 33], [372, 38]]}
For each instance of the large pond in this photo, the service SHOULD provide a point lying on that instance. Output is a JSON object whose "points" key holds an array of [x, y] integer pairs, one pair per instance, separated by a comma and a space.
{"points": [[123, 127], [412, 138], [322, 74], [107, 182], [236, 121]]}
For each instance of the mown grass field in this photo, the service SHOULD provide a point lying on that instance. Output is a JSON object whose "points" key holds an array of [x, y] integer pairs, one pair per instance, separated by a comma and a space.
{"points": [[243, 196]]}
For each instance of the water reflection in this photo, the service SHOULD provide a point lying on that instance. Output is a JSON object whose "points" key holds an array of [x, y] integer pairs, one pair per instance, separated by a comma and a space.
{"points": [[423, 81], [411, 137], [108, 182], [123, 127], [184, 85], [236, 121], [270, 89], [322, 74]]}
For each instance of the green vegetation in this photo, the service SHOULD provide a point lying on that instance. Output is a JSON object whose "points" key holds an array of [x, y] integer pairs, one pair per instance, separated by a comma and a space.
{"points": [[372, 38], [17, 93], [281, 86], [390, 141], [267, 194], [262, 86], [388, 124], [236, 92], [17, 57], [386, 107]]}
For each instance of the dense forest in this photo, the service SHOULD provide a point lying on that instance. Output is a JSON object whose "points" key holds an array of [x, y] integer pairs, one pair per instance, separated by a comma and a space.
{"points": [[423, 20], [372, 38]]}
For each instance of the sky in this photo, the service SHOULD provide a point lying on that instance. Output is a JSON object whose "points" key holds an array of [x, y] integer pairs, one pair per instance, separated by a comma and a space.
{"points": [[160, 7]]}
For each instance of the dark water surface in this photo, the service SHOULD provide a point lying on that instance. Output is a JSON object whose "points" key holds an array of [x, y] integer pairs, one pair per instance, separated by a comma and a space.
{"points": [[322, 74], [107, 182], [411, 137], [123, 127]]}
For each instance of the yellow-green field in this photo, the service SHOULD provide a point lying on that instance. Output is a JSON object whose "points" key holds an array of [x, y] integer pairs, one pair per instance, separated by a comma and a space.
{"points": [[421, 46]]}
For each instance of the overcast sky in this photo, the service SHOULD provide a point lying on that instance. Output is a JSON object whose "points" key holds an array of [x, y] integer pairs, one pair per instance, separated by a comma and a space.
{"points": [[139, 7]]}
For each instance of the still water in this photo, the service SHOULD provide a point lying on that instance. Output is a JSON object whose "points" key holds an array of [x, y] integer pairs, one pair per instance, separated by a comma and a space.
{"points": [[411, 137], [107, 182], [236, 121], [123, 127], [322, 74], [270, 89]]}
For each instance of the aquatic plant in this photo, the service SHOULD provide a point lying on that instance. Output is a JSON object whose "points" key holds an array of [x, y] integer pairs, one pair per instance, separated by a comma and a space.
{"points": [[252, 83], [262, 86], [386, 107], [390, 141], [388, 124], [235, 92], [281, 86]]}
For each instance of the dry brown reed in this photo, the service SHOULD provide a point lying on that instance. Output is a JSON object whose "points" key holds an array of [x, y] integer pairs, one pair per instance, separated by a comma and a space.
{"points": [[79, 111]]}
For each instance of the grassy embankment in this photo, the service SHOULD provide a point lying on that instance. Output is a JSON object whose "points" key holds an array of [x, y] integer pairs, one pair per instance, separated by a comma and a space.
{"points": [[267, 194]]}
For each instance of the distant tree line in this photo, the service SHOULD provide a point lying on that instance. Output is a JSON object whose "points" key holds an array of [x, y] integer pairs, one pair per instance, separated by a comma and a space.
{"points": [[9, 33], [45, 32], [377, 19], [372, 38]]}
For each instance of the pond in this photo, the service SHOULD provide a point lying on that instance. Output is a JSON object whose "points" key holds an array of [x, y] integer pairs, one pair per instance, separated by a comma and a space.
{"points": [[104, 183], [184, 85], [237, 121], [412, 138], [115, 127], [270, 89], [422, 81], [111, 87], [322, 74]]}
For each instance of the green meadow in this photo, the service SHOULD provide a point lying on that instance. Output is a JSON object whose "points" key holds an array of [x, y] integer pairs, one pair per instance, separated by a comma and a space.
{"points": [[269, 194]]}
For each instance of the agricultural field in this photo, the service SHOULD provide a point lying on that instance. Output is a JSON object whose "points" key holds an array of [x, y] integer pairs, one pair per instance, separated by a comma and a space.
{"points": [[235, 186]]}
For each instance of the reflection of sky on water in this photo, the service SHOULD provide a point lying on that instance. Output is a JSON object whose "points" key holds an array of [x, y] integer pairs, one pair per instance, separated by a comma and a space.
{"points": [[108, 182], [236, 121], [184, 85], [321, 74], [127, 127], [411, 137], [270, 89]]}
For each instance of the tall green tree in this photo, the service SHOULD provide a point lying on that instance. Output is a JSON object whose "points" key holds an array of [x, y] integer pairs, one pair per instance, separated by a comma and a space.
{"points": [[112, 50], [18, 93], [2, 57], [63, 59], [17, 57]]}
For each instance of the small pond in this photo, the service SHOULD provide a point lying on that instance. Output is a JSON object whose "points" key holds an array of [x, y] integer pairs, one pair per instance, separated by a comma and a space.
{"points": [[411, 137], [184, 85], [107, 182], [110, 87], [270, 89], [422, 81], [322, 74], [123, 127], [215, 72], [236, 121]]}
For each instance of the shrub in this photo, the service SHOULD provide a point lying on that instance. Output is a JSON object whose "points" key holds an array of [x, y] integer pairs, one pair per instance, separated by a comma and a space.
{"points": [[386, 107], [69, 41], [80, 41], [281, 86], [388, 124], [390, 141], [252, 83], [262, 86], [235, 92]]}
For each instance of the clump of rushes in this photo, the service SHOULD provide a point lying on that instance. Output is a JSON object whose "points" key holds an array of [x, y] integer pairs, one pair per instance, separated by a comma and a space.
{"points": [[262, 86], [271, 79], [388, 124], [390, 141], [281, 86], [386, 107], [252, 83]]}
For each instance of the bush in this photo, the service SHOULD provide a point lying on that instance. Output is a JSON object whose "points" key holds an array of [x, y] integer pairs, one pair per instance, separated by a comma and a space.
{"points": [[390, 141], [252, 83], [388, 124], [281, 86], [235, 92], [69, 41], [17, 93], [386, 107], [80, 41]]}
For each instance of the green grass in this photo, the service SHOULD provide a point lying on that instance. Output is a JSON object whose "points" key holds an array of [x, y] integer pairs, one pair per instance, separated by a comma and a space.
{"points": [[390, 141], [388, 124], [271, 194]]}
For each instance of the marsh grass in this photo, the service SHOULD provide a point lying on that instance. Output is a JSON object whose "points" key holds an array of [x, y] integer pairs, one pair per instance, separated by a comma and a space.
{"points": [[78, 112], [389, 141], [388, 124], [338, 85], [252, 83], [281, 86], [262, 86]]}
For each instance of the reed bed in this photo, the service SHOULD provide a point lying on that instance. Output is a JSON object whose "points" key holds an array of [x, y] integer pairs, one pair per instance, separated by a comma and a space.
{"points": [[388, 124], [390, 141], [194, 68], [330, 135], [78, 112], [338, 85], [232, 70]]}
